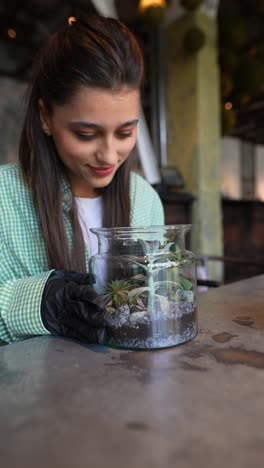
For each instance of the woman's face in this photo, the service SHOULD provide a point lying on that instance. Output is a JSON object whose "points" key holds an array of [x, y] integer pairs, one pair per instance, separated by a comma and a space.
{"points": [[94, 134]]}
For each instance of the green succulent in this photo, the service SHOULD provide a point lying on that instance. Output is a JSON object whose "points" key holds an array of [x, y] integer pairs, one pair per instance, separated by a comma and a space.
{"points": [[143, 288], [116, 293]]}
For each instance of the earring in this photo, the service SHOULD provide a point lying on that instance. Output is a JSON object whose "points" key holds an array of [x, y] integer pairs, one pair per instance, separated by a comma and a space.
{"points": [[46, 131]]}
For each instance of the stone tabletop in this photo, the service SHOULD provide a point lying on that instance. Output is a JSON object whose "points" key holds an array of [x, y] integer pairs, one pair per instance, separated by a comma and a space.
{"points": [[198, 405]]}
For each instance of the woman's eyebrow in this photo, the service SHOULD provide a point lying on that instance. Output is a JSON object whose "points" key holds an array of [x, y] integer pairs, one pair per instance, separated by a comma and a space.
{"points": [[82, 123], [129, 122]]}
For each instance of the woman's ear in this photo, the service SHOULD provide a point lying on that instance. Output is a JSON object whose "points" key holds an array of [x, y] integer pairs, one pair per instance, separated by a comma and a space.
{"points": [[44, 117]]}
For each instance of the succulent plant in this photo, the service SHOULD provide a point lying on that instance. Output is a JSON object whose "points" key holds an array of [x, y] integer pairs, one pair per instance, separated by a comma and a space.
{"points": [[116, 293], [143, 288]]}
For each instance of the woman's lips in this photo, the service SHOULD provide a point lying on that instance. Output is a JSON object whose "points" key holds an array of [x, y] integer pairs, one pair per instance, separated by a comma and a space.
{"points": [[102, 171]]}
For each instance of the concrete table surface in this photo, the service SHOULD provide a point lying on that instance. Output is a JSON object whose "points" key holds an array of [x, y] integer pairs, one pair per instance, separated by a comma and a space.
{"points": [[199, 405]]}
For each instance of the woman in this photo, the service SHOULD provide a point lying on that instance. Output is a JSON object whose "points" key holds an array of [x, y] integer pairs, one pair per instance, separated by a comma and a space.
{"points": [[74, 173]]}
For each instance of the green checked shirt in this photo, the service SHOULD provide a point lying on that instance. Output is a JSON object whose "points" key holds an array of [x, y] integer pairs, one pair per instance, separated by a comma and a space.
{"points": [[23, 264]]}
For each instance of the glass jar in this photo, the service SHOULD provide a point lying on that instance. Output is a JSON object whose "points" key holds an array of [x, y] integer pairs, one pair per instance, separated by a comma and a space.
{"points": [[146, 284]]}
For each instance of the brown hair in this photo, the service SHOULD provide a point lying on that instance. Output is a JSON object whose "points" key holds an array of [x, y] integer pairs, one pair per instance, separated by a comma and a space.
{"points": [[96, 52]]}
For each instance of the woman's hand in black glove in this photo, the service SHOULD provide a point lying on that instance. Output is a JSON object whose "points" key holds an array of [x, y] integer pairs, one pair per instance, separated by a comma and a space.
{"points": [[68, 308]]}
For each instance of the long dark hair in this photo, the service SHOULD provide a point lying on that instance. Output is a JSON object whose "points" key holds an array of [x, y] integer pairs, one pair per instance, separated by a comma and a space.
{"points": [[92, 51]]}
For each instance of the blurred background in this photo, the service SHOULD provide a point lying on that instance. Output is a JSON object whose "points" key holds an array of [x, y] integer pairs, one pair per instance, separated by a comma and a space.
{"points": [[202, 142]]}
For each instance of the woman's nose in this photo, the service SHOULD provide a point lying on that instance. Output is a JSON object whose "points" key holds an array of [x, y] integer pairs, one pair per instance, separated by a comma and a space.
{"points": [[107, 153]]}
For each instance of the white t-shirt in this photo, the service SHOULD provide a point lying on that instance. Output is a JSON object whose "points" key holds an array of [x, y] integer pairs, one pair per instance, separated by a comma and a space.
{"points": [[90, 213]]}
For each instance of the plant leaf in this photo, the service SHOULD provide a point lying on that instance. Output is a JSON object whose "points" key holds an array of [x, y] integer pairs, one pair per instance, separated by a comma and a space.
{"points": [[144, 246], [157, 284], [164, 303], [167, 247], [136, 292], [185, 283], [139, 277]]}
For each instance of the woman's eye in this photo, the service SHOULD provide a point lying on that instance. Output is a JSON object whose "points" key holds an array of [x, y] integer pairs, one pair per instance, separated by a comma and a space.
{"points": [[124, 135], [92, 136], [86, 136]]}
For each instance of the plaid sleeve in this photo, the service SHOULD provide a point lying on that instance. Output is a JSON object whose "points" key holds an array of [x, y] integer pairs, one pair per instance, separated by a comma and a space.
{"points": [[23, 269], [20, 302]]}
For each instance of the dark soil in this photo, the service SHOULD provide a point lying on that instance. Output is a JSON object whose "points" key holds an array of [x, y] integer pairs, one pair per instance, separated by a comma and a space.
{"points": [[170, 330]]}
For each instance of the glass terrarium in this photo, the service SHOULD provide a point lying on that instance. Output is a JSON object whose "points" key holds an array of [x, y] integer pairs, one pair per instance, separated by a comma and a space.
{"points": [[146, 284]]}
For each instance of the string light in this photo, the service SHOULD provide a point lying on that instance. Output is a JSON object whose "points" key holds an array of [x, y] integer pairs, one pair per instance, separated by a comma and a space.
{"points": [[145, 4], [228, 105], [11, 33], [71, 20]]}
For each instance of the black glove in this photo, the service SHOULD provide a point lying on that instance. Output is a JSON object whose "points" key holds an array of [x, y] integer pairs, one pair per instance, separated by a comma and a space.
{"points": [[68, 308]]}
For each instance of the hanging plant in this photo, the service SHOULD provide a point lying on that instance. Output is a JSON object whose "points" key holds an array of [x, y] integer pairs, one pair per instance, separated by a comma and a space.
{"points": [[194, 39], [191, 4]]}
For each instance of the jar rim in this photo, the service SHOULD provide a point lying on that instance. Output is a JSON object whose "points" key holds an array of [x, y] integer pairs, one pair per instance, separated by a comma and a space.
{"points": [[142, 229]]}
